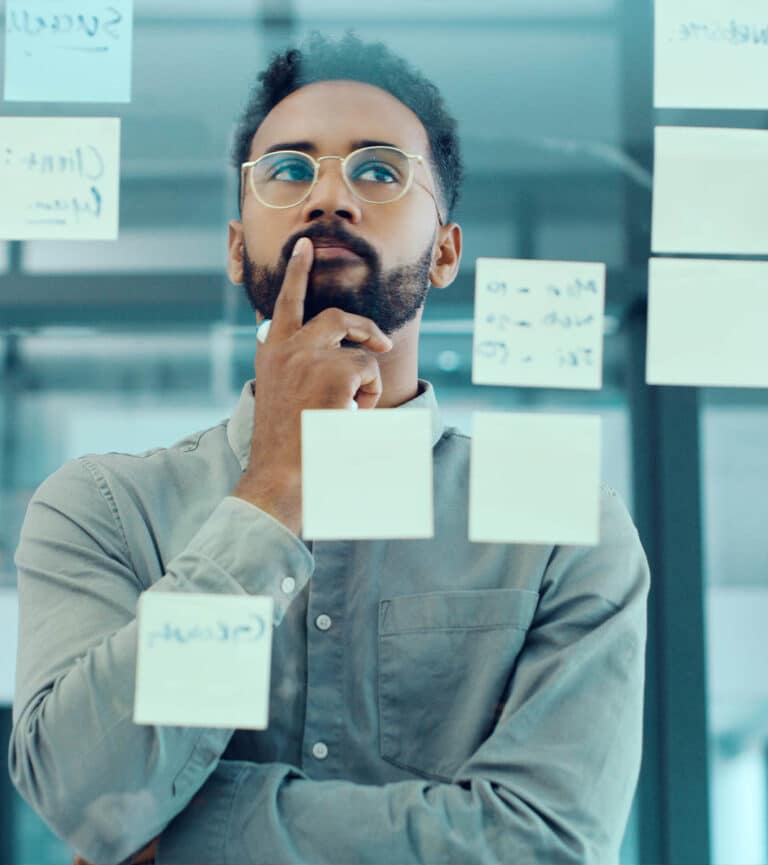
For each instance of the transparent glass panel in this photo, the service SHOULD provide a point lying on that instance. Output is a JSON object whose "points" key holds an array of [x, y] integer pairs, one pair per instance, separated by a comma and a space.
{"points": [[536, 86], [734, 429]]}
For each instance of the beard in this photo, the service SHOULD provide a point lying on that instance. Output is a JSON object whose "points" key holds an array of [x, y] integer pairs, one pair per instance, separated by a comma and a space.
{"points": [[390, 299]]}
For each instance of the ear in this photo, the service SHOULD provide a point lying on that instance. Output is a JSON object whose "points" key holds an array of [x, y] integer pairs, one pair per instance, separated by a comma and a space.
{"points": [[447, 255], [236, 252]]}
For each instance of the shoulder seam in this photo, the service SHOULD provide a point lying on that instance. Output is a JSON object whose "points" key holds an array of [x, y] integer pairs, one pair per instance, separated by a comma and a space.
{"points": [[196, 444], [103, 487], [187, 448]]}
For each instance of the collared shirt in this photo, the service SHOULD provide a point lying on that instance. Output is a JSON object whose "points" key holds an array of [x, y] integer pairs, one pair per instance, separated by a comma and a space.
{"points": [[432, 701]]}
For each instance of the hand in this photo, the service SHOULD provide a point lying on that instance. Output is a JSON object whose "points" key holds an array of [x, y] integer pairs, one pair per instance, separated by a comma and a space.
{"points": [[303, 366], [146, 854]]}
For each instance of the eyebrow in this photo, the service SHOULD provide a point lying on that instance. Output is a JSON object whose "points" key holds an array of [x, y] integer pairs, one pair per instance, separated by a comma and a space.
{"points": [[311, 147]]}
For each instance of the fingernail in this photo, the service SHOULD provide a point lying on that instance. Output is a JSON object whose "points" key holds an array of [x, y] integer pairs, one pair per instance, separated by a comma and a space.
{"points": [[299, 245], [263, 330]]}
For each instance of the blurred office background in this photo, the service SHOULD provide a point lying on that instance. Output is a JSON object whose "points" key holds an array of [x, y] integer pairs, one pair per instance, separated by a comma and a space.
{"points": [[131, 344]]}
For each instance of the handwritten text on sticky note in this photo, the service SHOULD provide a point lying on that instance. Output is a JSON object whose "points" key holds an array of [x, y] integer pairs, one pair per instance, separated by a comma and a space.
{"points": [[367, 474], [203, 660], [538, 323], [59, 178], [534, 478], [68, 50], [711, 54]]}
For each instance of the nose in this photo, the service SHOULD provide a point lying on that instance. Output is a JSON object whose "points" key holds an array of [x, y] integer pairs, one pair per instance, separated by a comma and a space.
{"points": [[331, 195]]}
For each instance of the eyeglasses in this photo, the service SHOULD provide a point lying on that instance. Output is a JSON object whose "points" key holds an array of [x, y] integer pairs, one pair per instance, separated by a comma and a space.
{"points": [[376, 175]]}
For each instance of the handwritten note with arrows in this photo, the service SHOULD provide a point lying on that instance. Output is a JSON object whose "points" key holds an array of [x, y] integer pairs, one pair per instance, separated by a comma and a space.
{"points": [[203, 660], [711, 54], [68, 50], [539, 323], [59, 178]]}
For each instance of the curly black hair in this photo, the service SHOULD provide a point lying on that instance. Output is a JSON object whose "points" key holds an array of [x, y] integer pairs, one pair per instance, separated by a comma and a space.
{"points": [[370, 63]]}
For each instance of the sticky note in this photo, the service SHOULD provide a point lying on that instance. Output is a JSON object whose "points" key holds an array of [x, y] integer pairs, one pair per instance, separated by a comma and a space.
{"points": [[706, 323], [203, 660], [538, 323], [68, 50], [534, 478], [366, 474], [9, 635], [59, 178], [711, 54], [710, 191]]}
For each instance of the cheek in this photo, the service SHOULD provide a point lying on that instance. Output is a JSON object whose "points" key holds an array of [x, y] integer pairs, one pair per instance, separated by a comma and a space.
{"points": [[263, 241], [407, 235]]}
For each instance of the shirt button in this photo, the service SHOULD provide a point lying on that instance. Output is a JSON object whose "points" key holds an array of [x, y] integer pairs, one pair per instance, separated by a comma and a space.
{"points": [[288, 585], [320, 750], [323, 622]]}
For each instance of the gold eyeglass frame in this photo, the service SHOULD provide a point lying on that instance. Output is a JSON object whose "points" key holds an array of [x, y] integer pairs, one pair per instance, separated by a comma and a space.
{"points": [[343, 159]]}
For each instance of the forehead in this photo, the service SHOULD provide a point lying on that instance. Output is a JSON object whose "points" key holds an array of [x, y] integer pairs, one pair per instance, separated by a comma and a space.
{"points": [[333, 115]]}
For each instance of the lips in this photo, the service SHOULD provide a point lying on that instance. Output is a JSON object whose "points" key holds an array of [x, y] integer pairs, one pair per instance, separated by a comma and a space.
{"points": [[333, 249]]}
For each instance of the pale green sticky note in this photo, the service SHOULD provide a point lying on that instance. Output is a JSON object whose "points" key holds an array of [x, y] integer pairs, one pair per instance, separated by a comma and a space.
{"points": [[9, 635], [538, 323], [711, 54], [534, 478], [60, 178], [60, 51], [203, 660], [367, 474], [709, 191], [706, 323]]}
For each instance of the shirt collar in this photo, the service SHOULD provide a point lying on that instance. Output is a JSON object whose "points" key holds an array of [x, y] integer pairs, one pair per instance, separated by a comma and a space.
{"points": [[240, 424]]}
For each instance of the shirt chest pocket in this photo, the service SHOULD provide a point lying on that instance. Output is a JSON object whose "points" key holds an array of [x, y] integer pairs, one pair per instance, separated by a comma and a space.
{"points": [[445, 659]]}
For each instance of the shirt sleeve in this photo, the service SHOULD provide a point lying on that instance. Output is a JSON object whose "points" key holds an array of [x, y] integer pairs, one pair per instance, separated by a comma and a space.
{"points": [[102, 783], [551, 785]]}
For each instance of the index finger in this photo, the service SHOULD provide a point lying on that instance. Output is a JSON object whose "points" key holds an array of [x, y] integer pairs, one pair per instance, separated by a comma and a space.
{"points": [[288, 317]]}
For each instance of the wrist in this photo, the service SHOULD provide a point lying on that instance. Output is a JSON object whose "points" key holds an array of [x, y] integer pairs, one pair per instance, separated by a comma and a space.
{"points": [[280, 498]]}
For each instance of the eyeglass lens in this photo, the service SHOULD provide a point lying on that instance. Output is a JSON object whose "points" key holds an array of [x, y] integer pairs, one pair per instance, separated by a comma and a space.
{"points": [[376, 174]]}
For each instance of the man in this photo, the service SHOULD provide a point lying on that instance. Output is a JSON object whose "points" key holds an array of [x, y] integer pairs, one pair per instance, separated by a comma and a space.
{"points": [[432, 701]]}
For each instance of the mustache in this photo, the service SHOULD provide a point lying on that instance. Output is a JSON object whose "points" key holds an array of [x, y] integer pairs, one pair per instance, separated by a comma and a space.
{"points": [[331, 232]]}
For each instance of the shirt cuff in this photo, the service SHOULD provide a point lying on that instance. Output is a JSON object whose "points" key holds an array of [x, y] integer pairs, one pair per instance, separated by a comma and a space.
{"points": [[241, 542], [199, 835]]}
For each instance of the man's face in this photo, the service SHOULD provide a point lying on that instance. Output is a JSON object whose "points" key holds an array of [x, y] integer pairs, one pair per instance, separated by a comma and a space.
{"points": [[388, 278]]}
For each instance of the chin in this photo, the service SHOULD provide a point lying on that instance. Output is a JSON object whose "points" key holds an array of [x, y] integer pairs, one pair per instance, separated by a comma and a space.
{"points": [[332, 284]]}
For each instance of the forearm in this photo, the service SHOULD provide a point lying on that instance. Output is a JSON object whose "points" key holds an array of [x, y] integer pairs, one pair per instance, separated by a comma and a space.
{"points": [[103, 783], [260, 815], [551, 785]]}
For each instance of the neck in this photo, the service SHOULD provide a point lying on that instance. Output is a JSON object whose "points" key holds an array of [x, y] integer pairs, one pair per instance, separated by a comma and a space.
{"points": [[400, 367]]}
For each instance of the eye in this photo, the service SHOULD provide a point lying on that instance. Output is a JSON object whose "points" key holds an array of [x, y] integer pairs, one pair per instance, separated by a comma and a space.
{"points": [[291, 170], [376, 171]]}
